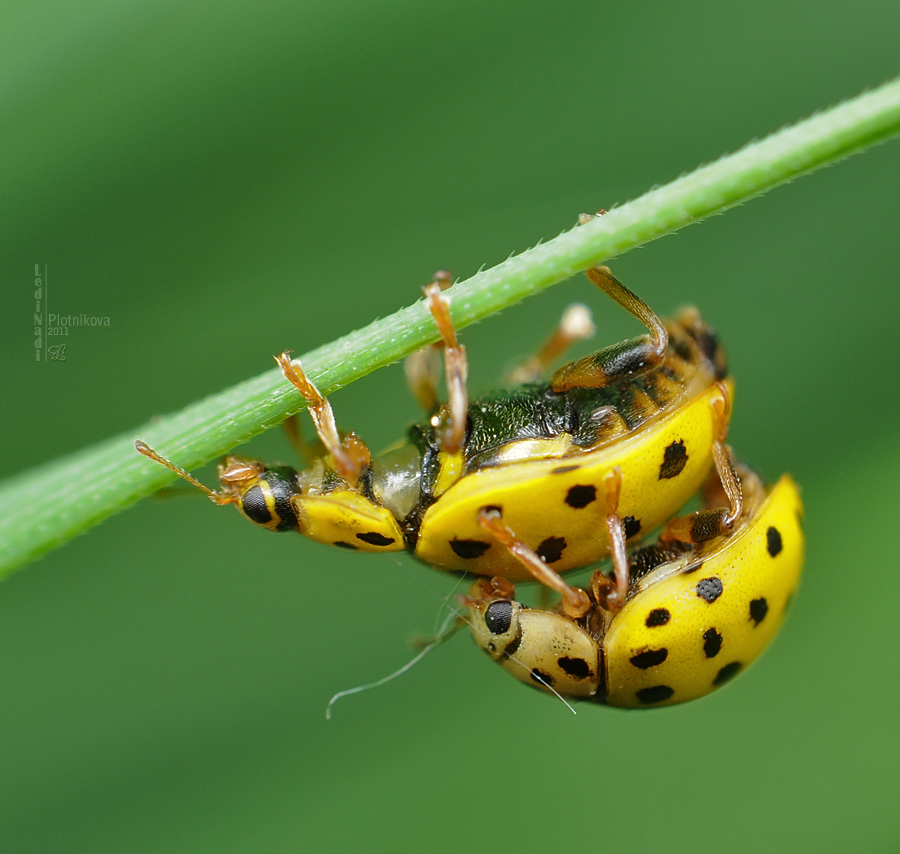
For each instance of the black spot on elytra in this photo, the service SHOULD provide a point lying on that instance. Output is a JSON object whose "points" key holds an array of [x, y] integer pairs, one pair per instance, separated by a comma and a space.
{"points": [[513, 646], [631, 526], [469, 549], [658, 617], [373, 538], [656, 694], [758, 610], [674, 460], [342, 545], [649, 658], [773, 541], [709, 589], [577, 668], [712, 643], [498, 617], [729, 671], [581, 495], [540, 677], [564, 469], [551, 549]]}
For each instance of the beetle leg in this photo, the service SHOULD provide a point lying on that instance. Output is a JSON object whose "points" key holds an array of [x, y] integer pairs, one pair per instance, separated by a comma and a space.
{"points": [[308, 451], [616, 531], [575, 601], [619, 361], [721, 407], [576, 324], [351, 456], [423, 368], [706, 524], [450, 424]]}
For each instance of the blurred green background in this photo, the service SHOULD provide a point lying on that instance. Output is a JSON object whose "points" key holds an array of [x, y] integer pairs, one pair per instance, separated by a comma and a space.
{"points": [[224, 180]]}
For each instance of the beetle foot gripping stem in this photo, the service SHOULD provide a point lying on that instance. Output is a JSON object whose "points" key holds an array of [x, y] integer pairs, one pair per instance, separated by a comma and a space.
{"points": [[452, 431], [351, 456]]}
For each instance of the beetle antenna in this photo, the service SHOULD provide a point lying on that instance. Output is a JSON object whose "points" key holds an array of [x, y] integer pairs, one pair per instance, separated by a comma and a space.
{"points": [[147, 451], [215, 497], [447, 630], [452, 623], [549, 687]]}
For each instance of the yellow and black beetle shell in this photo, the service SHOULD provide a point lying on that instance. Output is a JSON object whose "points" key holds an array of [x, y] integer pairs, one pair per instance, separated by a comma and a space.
{"points": [[690, 623]]}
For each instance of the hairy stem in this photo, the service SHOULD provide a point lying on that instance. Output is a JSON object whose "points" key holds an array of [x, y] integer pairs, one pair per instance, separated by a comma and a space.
{"points": [[95, 483]]}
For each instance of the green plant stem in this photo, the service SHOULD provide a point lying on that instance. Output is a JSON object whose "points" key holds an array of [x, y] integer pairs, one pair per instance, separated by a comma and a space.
{"points": [[95, 483]]}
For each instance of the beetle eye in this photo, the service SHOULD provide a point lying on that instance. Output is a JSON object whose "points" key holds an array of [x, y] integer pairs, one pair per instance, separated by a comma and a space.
{"points": [[253, 503], [498, 617]]}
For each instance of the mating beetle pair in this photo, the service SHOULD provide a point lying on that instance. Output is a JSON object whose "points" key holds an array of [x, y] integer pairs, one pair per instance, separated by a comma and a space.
{"points": [[545, 477]]}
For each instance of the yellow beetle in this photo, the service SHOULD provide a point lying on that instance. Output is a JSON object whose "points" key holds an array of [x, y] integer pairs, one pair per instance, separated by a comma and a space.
{"points": [[695, 615], [537, 455]]}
